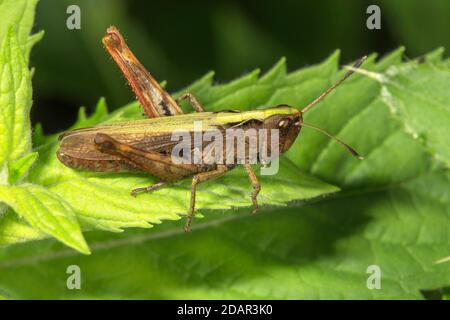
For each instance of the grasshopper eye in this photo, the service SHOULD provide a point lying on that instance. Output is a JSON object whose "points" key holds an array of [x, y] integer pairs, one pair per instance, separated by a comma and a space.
{"points": [[283, 123]]}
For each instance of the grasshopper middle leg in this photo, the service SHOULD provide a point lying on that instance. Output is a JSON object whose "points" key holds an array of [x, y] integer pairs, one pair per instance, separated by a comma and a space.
{"points": [[199, 178], [256, 186]]}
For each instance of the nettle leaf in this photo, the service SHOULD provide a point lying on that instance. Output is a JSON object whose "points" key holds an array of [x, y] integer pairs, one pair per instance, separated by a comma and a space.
{"points": [[15, 80], [392, 213], [13, 229], [317, 251], [418, 96], [15, 101], [18, 14], [45, 211], [17, 18], [19, 168]]}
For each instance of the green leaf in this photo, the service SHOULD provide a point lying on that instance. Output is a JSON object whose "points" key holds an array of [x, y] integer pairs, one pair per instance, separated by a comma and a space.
{"points": [[15, 101], [15, 81], [392, 212], [46, 212], [18, 15], [418, 96], [20, 168], [43, 210], [317, 251], [13, 229]]}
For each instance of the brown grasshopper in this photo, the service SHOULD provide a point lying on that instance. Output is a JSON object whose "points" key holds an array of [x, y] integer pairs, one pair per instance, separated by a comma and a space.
{"points": [[147, 145]]}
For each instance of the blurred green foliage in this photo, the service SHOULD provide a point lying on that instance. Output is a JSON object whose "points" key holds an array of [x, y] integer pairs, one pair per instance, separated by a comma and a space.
{"points": [[181, 40]]}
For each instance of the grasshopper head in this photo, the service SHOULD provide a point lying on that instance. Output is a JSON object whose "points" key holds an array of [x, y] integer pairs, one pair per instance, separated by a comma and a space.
{"points": [[288, 121]]}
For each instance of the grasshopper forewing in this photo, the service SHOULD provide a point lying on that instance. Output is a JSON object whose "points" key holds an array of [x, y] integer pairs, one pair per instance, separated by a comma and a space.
{"points": [[148, 145]]}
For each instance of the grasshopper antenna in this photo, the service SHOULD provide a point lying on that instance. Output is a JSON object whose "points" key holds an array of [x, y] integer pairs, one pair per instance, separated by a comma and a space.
{"points": [[342, 143], [337, 83]]}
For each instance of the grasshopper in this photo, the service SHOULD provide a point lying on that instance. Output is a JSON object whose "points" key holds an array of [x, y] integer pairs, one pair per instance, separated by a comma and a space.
{"points": [[146, 145]]}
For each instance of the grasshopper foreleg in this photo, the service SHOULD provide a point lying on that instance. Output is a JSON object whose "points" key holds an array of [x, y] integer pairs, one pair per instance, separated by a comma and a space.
{"points": [[193, 100], [199, 178], [256, 186], [151, 188]]}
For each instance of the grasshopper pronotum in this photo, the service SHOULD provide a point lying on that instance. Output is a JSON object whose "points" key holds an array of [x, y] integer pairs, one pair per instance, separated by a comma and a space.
{"points": [[147, 144]]}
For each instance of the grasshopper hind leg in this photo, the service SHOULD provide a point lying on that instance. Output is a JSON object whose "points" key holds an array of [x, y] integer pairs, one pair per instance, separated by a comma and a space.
{"points": [[256, 187]]}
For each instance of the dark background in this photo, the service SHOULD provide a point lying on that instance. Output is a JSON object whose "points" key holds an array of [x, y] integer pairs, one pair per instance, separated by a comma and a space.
{"points": [[180, 40]]}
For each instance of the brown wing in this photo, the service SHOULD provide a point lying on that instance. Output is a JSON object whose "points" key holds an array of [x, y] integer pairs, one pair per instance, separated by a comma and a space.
{"points": [[80, 144], [78, 150]]}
